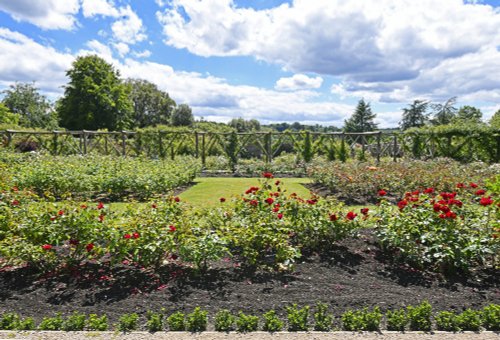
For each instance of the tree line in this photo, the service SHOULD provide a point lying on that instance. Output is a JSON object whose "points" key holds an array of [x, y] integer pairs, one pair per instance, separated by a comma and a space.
{"points": [[96, 98]]}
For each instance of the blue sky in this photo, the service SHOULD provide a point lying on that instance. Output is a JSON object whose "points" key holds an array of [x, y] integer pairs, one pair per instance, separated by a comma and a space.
{"points": [[272, 60]]}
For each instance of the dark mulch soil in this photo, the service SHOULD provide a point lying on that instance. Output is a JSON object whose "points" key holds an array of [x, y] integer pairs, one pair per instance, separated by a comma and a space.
{"points": [[348, 198], [352, 274]]}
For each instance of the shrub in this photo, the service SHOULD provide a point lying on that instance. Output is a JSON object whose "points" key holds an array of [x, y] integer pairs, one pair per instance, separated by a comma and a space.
{"points": [[420, 316], [362, 320], [491, 317], [271, 322], [469, 320], [297, 318], [396, 320], [127, 322], [322, 319], [9, 321], [197, 320], [176, 322], [154, 321], [224, 321], [247, 323], [447, 321], [74, 322], [97, 323], [51, 323]]}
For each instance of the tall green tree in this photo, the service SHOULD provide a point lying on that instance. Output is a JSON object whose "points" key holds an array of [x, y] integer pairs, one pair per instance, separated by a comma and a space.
{"points": [[95, 97], [468, 114], [444, 113], [34, 110], [414, 115], [242, 125], [151, 105], [182, 116], [495, 120], [362, 119]]}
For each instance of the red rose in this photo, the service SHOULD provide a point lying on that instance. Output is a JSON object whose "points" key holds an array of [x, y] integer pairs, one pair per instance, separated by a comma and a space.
{"points": [[154, 206], [382, 192], [364, 211], [460, 185], [127, 236], [269, 200], [280, 216], [402, 204], [83, 206], [100, 205], [15, 202], [135, 235], [47, 247], [89, 247], [276, 209], [451, 214], [254, 203], [429, 191], [267, 175], [485, 201], [74, 242], [333, 217], [351, 215], [312, 202], [101, 217], [171, 228], [60, 212], [480, 192], [177, 199], [222, 199], [277, 183], [473, 185]]}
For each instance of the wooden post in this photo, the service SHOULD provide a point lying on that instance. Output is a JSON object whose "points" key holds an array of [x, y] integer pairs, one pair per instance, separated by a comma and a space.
{"points": [[196, 146], [9, 138], [124, 144], [203, 151], [498, 149], [269, 151], [379, 146], [54, 143], [84, 133], [394, 147], [160, 145]]}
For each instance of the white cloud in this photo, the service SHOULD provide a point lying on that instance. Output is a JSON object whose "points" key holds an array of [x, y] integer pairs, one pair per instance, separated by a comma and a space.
{"points": [[98, 48], [92, 8], [47, 14], [122, 48], [24, 60], [298, 82], [128, 28], [386, 48], [142, 54]]}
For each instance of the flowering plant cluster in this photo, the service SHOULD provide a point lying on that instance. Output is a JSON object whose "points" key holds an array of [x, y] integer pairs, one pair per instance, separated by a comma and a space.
{"points": [[444, 231]]}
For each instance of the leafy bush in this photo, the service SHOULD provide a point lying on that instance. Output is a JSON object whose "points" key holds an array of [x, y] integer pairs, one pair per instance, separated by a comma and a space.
{"points": [[491, 317], [246, 323], [154, 321], [469, 320], [74, 322], [447, 321], [272, 322], [127, 322], [197, 320], [420, 317], [396, 320], [9, 321], [297, 318], [176, 322], [97, 323], [54, 323], [362, 320], [224, 321], [322, 319]]}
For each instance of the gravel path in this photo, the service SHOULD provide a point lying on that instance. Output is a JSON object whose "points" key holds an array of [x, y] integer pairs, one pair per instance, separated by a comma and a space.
{"points": [[251, 336]]}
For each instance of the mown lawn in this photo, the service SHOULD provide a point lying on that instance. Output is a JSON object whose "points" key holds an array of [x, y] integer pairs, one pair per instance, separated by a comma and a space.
{"points": [[208, 190]]}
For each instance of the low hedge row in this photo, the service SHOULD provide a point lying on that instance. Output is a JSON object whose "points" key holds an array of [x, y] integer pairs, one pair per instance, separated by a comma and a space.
{"points": [[413, 318]]}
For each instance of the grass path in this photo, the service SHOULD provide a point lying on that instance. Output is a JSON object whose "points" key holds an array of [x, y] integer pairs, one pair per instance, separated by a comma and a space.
{"points": [[208, 190]]}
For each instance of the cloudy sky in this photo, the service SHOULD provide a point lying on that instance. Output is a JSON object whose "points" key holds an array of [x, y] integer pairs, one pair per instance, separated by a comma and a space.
{"points": [[272, 60]]}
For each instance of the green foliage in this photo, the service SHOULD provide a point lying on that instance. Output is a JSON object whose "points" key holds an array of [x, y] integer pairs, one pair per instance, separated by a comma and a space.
{"points": [[343, 151], [414, 115], [176, 322], [396, 320], [444, 113], [362, 320], [9, 321], [95, 97], [32, 109], [420, 317], [307, 149], [468, 115], [196, 321], [272, 322], [322, 319], [224, 321], [127, 322], [246, 323], [74, 322], [297, 318], [495, 120], [232, 150], [97, 323], [242, 125], [7, 117], [362, 119], [51, 323], [447, 321], [154, 321], [182, 116], [151, 105], [491, 317], [204, 247], [469, 320]]}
